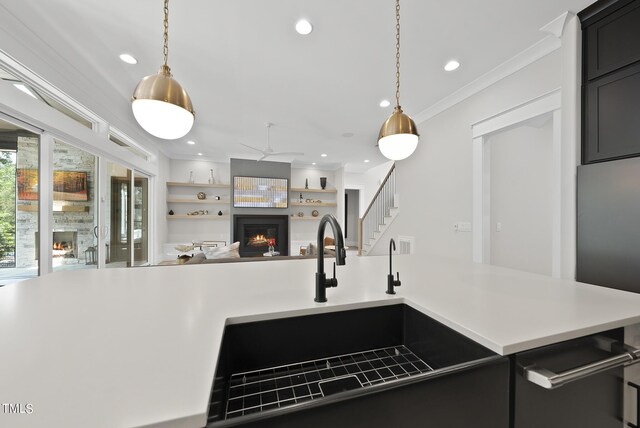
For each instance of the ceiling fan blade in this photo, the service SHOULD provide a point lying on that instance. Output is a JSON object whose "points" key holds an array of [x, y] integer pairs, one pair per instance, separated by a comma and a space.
{"points": [[264, 156], [287, 153], [253, 148]]}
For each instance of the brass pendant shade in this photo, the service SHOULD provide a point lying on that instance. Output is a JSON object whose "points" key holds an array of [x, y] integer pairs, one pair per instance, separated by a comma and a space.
{"points": [[398, 137], [159, 103]]}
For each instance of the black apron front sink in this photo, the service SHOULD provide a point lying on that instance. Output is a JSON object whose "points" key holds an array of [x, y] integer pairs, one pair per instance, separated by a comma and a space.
{"points": [[380, 366]]}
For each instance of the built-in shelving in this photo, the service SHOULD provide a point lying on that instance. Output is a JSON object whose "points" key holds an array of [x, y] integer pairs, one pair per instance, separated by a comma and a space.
{"points": [[296, 218], [303, 190], [211, 186], [314, 204], [196, 201], [197, 217]]}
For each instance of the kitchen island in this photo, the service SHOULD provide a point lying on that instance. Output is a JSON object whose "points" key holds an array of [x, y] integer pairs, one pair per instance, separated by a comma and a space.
{"points": [[138, 347]]}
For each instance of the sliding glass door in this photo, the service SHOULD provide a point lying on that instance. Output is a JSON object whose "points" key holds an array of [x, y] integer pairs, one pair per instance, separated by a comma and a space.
{"points": [[140, 219], [19, 201], [75, 222]]}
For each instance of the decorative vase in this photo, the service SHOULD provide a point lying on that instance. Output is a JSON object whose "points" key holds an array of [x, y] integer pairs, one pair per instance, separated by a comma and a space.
{"points": [[219, 213], [315, 213], [191, 177], [306, 183], [211, 179], [171, 212], [323, 182]]}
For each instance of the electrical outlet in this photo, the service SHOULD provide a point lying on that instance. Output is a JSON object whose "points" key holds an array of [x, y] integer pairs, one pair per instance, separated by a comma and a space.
{"points": [[462, 226]]}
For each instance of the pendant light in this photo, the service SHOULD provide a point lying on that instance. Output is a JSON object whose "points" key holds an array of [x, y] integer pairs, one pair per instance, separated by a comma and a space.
{"points": [[398, 136], [160, 104]]}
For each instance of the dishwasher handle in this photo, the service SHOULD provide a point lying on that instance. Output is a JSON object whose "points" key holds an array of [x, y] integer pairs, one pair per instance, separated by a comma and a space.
{"points": [[551, 380]]}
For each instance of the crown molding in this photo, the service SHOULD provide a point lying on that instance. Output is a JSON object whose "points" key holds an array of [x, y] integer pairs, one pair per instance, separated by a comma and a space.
{"points": [[533, 53]]}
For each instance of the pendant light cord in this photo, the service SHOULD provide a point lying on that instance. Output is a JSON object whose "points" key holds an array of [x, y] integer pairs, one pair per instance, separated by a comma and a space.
{"points": [[165, 51], [397, 54]]}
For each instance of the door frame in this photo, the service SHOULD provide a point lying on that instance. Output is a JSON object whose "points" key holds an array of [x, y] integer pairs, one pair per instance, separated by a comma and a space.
{"points": [[481, 131]]}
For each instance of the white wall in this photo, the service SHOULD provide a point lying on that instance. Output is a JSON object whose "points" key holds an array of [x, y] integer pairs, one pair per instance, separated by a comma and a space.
{"points": [[299, 175], [369, 181], [160, 227], [435, 183], [180, 171], [521, 197]]}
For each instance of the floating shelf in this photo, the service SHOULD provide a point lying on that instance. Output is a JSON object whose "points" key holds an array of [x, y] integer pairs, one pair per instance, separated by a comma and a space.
{"points": [[211, 186], [314, 204], [296, 218], [303, 190], [197, 217], [195, 201], [56, 208]]}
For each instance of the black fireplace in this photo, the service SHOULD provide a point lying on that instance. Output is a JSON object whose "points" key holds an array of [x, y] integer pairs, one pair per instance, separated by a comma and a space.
{"points": [[255, 232]]}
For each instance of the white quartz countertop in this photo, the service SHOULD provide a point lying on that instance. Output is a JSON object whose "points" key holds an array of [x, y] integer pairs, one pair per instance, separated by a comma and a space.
{"points": [[138, 347]]}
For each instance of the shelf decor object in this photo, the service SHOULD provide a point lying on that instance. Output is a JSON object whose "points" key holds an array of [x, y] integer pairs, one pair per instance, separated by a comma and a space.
{"points": [[160, 104], [201, 195], [323, 182], [398, 137]]}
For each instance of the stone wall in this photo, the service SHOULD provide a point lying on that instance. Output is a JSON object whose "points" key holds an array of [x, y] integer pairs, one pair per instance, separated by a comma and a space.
{"points": [[26, 221]]}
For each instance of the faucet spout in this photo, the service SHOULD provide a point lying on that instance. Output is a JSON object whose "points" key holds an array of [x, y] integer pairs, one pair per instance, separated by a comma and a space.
{"points": [[391, 282], [321, 278]]}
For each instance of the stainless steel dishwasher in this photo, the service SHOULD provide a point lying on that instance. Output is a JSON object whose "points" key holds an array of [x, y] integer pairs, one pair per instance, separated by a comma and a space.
{"points": [[578, 383]]}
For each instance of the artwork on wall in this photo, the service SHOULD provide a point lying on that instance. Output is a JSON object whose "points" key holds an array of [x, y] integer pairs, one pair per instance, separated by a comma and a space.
{"points": [[67, 185], [260, 192], [27, 180]]}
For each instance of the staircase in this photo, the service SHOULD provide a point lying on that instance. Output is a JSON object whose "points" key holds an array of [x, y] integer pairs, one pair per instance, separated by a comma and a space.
{"points": [[381, 212]]}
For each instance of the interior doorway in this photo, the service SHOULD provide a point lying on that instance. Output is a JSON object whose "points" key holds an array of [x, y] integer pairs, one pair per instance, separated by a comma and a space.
{"points": [[521, 186], [561, 175], [351, 215]]}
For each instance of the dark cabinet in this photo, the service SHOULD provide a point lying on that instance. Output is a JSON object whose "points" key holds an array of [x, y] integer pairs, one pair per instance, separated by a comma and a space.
{"points": [[611, 80], [613, 42], [612, 108], [594, 401]]}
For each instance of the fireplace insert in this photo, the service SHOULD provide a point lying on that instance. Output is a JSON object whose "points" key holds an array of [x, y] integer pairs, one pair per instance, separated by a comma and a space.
{"points": [[257, 232]]}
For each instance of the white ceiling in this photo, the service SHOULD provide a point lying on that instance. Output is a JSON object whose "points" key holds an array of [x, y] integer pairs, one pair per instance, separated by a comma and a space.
{"points": [[243, 64]]}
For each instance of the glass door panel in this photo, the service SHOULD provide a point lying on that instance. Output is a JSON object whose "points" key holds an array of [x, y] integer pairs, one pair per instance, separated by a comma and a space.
{"points": [[75, 223], [118, 215], [140, 220], [19, 197]]}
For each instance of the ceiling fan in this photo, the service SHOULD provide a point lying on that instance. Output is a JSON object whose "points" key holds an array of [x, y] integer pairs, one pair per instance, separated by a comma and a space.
{"points": [[268, 151]]}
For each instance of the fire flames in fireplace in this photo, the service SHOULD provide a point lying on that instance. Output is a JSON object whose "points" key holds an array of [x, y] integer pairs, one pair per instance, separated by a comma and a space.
{"points": [[258, 240], [61, 246]]}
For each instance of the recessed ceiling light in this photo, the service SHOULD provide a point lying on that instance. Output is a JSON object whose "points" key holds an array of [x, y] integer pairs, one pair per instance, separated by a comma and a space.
{"points": [[128, 59], [348, 134], [367, 161], [313, 163], [324, 155], [452, 65], [191, 142], [199, 154], [23, 88], [385, 103], [304, 27]]}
